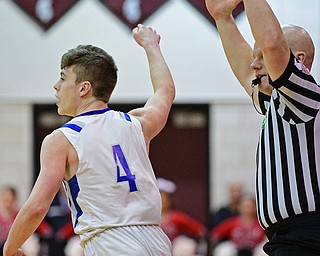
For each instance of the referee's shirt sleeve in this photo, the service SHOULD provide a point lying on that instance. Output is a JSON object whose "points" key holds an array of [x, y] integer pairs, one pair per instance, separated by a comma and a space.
{"points": [[298, 93]]}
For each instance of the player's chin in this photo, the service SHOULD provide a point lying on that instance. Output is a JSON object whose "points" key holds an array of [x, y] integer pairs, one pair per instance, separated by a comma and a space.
{"points": [[60, 110]]}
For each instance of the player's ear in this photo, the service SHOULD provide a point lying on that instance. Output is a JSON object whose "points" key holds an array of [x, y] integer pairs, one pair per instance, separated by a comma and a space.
{"points": [[85, 87]]}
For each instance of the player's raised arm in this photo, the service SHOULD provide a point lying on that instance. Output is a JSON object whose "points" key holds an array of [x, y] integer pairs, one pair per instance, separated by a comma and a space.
{"points": [[153, 116]]}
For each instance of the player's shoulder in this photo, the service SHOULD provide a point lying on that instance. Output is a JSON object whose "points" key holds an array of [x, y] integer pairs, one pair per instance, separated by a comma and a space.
{"points": [[54, 138], [127, 117]]}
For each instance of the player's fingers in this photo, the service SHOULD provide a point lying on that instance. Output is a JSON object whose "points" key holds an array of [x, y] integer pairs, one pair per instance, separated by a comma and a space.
{"points": [[135, 30], [19, 253]]}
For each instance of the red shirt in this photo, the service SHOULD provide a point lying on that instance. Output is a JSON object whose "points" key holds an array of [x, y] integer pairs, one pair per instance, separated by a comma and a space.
{"points": [[178, 223], [242, 234], [5, 225]]}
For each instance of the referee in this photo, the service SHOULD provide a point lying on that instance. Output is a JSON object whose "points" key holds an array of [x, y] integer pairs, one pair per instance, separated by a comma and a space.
{"points": [[284, 91]]}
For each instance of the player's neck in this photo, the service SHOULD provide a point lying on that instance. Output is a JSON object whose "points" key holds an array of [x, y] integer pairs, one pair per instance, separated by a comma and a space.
{"points": [[91, 104]]}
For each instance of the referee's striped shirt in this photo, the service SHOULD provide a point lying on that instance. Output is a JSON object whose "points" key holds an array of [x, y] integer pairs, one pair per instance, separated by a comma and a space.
{"points": [[288, 156]]}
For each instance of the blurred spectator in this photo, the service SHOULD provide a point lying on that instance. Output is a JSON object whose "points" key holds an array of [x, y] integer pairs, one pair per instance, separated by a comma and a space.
{"points": [[184, 231], [243, 232], [235, 191], [8, 212], [56, 229]]}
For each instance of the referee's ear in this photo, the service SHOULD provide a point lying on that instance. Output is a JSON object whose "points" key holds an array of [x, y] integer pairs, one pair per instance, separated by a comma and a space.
{"points": [[300, 56]]}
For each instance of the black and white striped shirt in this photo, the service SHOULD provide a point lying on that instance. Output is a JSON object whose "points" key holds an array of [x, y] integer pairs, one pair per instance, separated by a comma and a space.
{"points": [[288, 156]]}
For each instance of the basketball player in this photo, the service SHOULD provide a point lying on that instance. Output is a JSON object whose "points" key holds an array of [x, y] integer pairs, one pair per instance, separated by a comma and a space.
{"points": [[101, 156]]}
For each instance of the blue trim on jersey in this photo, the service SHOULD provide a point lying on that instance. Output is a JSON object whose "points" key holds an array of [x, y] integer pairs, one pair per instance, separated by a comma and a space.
{"points": [[74, 127], [94, 112], [74, 190], [127, 117]]}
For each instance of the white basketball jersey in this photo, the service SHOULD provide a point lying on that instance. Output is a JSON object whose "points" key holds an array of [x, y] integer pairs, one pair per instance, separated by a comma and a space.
{"points": [[115, 184]]}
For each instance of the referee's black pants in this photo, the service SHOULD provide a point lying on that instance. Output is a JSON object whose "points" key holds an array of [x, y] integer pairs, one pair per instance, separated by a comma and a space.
{"points": [[301, 240]]}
